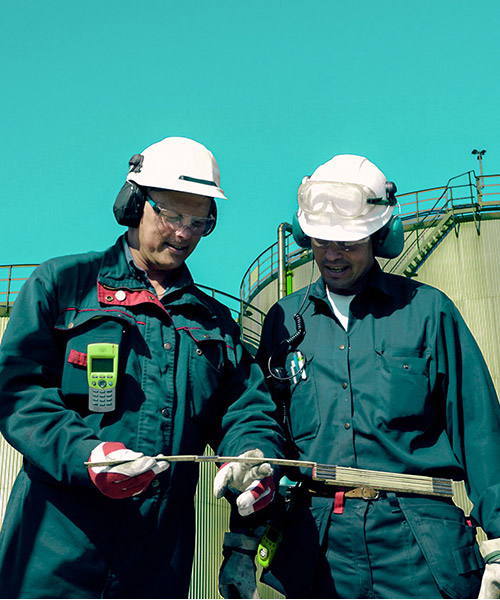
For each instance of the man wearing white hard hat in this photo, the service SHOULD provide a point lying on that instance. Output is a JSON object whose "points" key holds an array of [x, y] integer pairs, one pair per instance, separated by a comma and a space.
{"points": [[118, 357], [383, 386]]}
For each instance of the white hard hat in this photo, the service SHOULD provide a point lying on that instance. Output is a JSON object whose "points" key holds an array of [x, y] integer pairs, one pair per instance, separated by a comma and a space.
{"points": [[346, 199], [179, 164]]}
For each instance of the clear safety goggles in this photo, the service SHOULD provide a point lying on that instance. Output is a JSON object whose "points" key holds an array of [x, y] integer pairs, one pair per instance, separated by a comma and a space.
{"points": [[347, 200], [176, 221]]}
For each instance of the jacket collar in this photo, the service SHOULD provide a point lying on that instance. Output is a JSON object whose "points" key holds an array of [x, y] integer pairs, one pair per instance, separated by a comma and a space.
{"points": [[122, 282], [118, 270]]}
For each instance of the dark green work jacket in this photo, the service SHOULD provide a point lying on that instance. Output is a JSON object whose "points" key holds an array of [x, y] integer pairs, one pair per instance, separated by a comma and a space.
{"points": [[405, 389], [184, 381]]}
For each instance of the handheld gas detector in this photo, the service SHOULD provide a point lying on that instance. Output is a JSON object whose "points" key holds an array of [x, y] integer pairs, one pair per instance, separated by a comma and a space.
{"points": [[102, 375]]}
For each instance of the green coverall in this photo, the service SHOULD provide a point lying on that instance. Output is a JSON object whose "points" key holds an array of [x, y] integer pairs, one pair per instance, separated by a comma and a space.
{"points": [[184, 381], [405, 389]]}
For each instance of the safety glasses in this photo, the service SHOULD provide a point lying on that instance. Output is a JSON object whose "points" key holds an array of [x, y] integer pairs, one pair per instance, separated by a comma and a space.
{"points": [[343, 246], [176, 221]]}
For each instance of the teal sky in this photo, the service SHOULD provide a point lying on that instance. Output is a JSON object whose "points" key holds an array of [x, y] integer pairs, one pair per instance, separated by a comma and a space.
{"points": [[273, 88]]}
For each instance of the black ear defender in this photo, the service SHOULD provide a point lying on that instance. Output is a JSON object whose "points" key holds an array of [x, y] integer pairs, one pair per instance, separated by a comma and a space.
{"points": [[129, 203], [212, 213]]}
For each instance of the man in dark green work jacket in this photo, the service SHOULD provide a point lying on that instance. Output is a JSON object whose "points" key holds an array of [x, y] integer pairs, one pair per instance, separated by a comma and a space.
{"points": [[378, 372], [171, 376]]}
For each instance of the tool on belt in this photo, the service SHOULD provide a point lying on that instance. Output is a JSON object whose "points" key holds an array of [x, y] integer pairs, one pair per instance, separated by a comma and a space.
{"points": [[328, 474]]}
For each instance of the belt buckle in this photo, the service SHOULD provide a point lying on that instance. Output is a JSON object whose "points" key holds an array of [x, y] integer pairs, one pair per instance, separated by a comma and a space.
{"points": [[368, 493]]}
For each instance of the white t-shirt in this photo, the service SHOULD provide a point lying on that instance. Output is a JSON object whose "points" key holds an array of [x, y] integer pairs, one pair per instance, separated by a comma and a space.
{"points": [[340, 305]]}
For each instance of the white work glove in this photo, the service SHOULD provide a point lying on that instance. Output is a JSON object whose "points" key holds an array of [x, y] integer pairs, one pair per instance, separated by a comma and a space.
{"points": [[237, 573], [125, 480], [255, 481], [490, 584]]}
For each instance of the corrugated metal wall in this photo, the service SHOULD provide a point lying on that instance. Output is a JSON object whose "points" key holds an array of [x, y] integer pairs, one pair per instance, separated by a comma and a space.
{"points": [[10, 460]]}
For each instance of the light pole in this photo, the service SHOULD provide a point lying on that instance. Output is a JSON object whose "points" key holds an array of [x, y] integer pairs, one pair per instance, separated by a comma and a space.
{"points": [[480, 154]]}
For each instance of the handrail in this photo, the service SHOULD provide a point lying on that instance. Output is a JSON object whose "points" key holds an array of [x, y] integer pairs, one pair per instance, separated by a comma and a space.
{"points": [[10, 286]]}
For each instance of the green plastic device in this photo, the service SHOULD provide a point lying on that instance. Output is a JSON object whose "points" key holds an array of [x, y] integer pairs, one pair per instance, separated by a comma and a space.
{"points": [[268, 546], [102, 375]]}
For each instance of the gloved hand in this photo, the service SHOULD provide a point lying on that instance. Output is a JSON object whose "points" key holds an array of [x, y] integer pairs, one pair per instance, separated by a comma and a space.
{"points": [[237, 573], [130, 478], [254, 480], [490, 584]]}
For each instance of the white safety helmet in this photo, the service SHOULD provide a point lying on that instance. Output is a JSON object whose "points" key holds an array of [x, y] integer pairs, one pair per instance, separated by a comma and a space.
{"points": [[346, 199], [179, 164]]}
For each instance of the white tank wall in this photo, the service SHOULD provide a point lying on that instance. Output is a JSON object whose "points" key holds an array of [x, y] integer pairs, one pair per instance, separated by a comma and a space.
{"points": [[467, 269]]}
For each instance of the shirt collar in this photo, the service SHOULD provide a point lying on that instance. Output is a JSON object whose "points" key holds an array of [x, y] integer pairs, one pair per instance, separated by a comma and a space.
{"points": [[179, 278]]}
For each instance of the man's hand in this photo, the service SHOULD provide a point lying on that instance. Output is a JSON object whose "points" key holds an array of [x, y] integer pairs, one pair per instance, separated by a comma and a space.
{"points": [[490, 584], [129, 479], [255, 481], [237, 574]]}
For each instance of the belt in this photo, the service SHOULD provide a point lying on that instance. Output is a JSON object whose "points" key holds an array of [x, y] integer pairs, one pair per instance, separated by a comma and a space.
{"points": [[330, 491]]}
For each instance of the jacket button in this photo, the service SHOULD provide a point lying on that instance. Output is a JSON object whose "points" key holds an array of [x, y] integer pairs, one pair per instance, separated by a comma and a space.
{"points": [[347, 426], [342, 347], [345, 384], [167, 346], [198, 352], [165, 412], [155, 483]]}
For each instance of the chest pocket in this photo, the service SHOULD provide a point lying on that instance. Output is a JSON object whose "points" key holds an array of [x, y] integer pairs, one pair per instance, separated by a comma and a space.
{"points": [[76, 331], [207, 354], [403, 387], [304, 407]]}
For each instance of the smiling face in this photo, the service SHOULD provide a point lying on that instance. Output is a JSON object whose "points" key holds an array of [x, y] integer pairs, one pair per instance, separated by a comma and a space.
{"points": [[344, 271], [159, 247]]}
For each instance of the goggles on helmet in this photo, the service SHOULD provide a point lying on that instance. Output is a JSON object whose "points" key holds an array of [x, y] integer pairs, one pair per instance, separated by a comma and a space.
{"points": [[346, 200]]}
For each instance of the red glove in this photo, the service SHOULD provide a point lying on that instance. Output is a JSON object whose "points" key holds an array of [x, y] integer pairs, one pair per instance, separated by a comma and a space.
{"points": [[125, 480]]}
